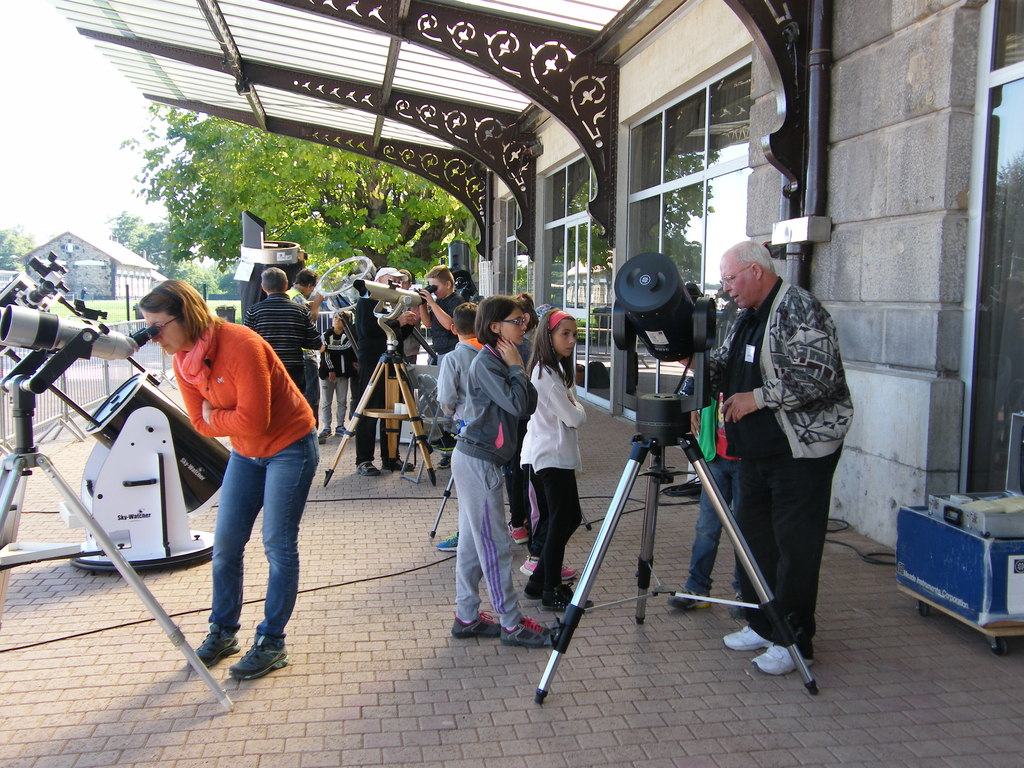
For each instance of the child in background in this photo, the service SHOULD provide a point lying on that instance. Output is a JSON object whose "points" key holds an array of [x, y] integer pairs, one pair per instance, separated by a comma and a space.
{"points": [[551, 452], [337, 367], [516, 483], [498, 396], [453, 380]]}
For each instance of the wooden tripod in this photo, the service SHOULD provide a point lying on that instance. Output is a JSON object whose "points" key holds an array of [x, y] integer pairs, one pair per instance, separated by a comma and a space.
{"points": [[390, 368]]}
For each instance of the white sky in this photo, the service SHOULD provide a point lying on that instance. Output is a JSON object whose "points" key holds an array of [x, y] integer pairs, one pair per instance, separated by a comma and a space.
{"points": [[66, 111]]}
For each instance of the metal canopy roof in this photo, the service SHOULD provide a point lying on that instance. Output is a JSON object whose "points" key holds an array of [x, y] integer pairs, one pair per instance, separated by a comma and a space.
{"points": [[440, 88], [444, 88]]}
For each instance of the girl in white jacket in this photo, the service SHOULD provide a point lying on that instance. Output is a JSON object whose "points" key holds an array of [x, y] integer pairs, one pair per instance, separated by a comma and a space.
{"points": [[551, 452]]}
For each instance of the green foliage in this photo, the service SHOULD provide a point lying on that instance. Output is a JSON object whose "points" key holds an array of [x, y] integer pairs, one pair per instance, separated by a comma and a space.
{"points": [[144, 238], [14, 243], [206, 171]]}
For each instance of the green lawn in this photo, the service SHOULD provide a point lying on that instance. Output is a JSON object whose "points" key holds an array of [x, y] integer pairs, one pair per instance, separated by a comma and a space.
{"points": [[117, 311]]}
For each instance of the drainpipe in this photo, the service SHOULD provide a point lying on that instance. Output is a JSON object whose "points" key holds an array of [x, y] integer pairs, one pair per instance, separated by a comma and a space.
{"points": [[814, 226]]}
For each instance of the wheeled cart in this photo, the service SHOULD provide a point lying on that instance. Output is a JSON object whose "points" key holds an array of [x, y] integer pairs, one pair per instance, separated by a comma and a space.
{"points": [[977, 580], [996, 633]]}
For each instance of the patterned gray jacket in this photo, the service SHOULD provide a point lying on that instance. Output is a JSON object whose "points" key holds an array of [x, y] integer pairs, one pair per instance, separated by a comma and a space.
{"points": [[804, 379]]}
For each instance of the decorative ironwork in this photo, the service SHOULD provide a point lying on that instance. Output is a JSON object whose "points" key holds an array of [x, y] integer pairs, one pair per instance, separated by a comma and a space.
{"points": [[491, 136], [455, 172], [554, 67], [778, 28]]}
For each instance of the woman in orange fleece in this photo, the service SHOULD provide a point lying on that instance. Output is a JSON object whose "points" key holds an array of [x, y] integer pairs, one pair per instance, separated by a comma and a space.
{"points": [[234, 385]]}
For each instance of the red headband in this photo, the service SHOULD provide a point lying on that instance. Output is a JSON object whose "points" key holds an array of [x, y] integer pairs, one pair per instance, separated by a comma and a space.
{"points": [[556, 317]]}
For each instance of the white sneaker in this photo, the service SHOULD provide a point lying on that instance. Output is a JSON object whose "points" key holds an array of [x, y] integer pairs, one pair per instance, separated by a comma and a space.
{"points": [[777, 661], [745, 640]]}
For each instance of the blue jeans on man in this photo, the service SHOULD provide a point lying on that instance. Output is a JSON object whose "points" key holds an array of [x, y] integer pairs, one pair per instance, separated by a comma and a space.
{"points": [[726, 473], [279, 485]]}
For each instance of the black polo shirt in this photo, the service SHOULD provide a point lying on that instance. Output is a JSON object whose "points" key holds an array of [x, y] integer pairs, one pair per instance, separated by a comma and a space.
{"points": [[758, 434]]}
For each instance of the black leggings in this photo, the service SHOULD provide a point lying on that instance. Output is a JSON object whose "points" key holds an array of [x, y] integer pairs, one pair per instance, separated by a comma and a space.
{"points": [[559, 502]]}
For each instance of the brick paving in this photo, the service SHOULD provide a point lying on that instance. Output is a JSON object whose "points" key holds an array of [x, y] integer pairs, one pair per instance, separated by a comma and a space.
{"points": [[87, 678]]}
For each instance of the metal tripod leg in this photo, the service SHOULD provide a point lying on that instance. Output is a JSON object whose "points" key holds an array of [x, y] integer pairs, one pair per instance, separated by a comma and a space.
{"points": [[645, 562], [350, 430], [574, 612], [129, 575], [783, 631], [12, 497], [444, 500], [419, 436]]}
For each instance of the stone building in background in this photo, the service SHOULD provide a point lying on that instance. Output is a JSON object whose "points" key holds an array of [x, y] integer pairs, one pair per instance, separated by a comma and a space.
{"points": [[99, 268]]}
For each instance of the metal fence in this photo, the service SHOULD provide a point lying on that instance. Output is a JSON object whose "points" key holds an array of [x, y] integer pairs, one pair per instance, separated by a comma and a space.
{"points": [[87, 383]]}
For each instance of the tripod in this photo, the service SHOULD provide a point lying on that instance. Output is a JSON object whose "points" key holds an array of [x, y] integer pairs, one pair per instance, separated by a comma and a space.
{"points": [[665, 427], [17, 466], [391, 366]]}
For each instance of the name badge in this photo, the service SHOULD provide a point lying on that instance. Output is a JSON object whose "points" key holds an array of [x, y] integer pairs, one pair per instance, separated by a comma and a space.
{"points": [[749, 355]]}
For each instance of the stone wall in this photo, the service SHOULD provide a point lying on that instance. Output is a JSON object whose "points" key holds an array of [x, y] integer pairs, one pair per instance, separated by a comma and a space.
{"points": [[95, 279], [893, 275]]}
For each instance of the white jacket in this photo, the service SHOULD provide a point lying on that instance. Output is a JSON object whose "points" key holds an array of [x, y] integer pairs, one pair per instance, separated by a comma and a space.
{"points": [[551, 438]]}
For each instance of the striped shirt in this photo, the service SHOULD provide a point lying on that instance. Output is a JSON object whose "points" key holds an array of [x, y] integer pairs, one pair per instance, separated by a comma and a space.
{"points": [[286, 325]]}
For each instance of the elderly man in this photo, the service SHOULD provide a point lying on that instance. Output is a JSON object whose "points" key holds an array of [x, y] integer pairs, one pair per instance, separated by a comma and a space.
{"points": [[787, 409]]}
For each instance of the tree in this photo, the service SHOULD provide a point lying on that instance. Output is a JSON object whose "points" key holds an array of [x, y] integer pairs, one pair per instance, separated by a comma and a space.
{"points": [[334, 204], [14, 243], [144, 238]]}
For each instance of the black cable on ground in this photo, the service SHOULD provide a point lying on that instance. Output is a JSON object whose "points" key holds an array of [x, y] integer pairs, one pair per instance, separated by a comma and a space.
{"points": [[205, 609]]}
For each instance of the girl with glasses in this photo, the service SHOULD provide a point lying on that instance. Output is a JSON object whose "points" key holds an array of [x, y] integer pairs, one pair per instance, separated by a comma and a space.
{"points": [[498, 396]]}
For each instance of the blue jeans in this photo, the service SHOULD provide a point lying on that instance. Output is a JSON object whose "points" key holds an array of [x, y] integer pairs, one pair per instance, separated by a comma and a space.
{"points": [[726, 473], [279, 485]]}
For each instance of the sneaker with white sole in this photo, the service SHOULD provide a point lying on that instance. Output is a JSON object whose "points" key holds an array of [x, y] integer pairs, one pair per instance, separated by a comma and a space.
{"points": [[530, 565], [745, 640], [451, 544], [519, 533], [776, 661]]}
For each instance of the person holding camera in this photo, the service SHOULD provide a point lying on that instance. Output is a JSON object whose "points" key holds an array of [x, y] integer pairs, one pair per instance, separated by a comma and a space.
{"points": [[439, 302]]}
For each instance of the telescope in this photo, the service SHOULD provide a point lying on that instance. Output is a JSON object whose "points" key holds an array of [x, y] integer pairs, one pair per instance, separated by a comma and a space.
{"points": [[368, 289], [34, 329], [651, 300]]}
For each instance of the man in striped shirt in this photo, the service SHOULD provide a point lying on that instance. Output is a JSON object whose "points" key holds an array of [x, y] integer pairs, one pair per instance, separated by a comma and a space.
{"points": [[286, 325]]}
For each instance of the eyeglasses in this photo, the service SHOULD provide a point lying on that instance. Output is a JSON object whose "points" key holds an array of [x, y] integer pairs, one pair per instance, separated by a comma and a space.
{"points": [[728, 280], [160, 326], [520, 321]]}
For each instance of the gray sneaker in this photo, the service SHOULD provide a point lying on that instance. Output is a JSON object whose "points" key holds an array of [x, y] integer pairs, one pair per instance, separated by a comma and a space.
{"points": [[263, 658], [527, 633], [483, 626], [217, 645], [366, 469]]}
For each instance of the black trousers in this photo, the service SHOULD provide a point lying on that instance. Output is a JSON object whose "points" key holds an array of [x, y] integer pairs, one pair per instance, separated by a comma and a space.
{"points": [[516, 483], [784, 518], [559, 497]]}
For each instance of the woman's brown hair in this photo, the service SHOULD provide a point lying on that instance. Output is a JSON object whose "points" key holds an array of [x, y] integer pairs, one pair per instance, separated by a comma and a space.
{"points": [[179, 299]]}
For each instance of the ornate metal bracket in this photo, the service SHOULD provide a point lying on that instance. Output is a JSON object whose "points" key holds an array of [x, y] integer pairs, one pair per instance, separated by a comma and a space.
{"points": [[453, 171], [779, 30], [552, 66], [490, 136]]}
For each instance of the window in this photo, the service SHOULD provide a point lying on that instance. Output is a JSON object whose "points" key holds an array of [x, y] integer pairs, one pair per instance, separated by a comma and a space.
{"points": [[688, 194], [688, 172], [998, 389]]}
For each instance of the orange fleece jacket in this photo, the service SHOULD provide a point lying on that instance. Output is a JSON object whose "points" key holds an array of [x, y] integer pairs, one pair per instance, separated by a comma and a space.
{"points": [[256, 402]]}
